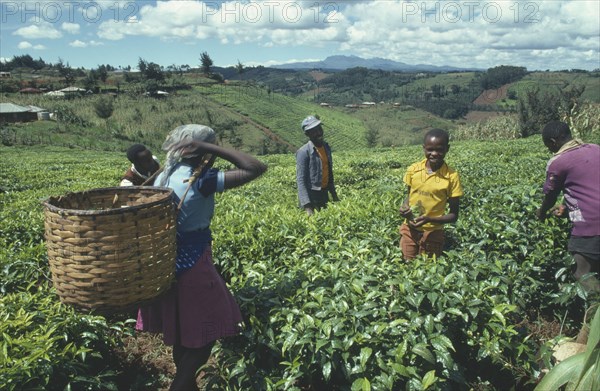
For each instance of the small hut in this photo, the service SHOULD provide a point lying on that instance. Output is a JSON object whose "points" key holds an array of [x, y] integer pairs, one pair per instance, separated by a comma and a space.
{"points": [[56, 94], [72, 90], [10, 112]]}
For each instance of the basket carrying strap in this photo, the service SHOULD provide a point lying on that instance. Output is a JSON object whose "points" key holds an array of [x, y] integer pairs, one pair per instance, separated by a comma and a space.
{"points": [[198, 172], [151, 177]]}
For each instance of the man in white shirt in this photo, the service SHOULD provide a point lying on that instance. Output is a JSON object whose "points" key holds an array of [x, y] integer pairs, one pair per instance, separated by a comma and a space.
{"points": [[143, 166]]}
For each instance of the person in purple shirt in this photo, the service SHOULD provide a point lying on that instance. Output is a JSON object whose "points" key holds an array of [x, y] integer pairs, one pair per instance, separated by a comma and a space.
{"points": [[574, 170]]}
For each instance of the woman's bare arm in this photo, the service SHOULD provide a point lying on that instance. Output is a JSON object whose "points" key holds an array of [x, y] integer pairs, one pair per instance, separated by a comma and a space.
{"points": [[247, 166]]}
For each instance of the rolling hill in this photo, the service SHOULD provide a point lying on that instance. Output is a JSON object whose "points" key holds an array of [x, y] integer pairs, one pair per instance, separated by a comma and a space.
{"points": [[346, 62]]}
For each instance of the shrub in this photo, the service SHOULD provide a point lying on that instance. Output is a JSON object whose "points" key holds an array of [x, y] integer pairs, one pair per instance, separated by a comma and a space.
{"points": [[504, 127], [536, 109], [327, 301], [584, 121], [104, 107], [47, 345], [67, 115]]}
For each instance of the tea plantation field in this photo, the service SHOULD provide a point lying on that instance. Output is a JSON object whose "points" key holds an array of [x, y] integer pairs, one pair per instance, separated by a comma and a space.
{"points": [[328, 302]]}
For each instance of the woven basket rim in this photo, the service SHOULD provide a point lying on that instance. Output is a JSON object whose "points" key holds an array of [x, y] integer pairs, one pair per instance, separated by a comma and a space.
{"points": [[112, 211]]}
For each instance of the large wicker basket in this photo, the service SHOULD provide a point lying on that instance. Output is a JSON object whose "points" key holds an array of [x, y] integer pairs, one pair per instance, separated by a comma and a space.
{"points": [[110, 249]]}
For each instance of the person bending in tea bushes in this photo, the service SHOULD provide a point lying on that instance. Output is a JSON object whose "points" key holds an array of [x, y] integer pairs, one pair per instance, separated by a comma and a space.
{"points": [[574, 170], [432, 185], [198, 309], [314, 168], [143, 166]]}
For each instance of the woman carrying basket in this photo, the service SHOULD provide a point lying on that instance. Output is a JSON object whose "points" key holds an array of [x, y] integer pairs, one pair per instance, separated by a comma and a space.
{"points": [[198, 309]]}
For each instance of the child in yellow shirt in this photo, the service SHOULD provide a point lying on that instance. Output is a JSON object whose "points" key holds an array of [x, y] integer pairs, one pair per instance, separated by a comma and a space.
{"points": [[432, 185]]}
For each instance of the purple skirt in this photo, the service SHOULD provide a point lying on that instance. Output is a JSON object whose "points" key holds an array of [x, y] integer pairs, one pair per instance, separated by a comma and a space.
{"points": [[196, 310]]}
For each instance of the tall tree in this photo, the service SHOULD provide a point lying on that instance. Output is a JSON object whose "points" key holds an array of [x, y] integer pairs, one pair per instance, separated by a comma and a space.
{"points": [[142, 65], [151, 71], [500, 75], [206, 62], [66, 72], [102, 73], [90, 80], [240, 69]]}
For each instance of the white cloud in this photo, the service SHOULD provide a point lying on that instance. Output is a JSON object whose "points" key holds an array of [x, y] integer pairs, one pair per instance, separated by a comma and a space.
{"points": [[24, 45], [480, 33], [81, 44], [449, 33], [267, 23], [78, 44], [579, 17], [71, 28], [38, 31]]}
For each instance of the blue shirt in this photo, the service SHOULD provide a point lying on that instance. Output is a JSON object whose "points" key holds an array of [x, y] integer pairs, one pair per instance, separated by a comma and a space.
{"points": [[197, 209], [199, 205]]}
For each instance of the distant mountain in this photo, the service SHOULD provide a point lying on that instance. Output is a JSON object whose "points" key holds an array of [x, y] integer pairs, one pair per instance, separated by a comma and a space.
{"points": [[346, 62]]}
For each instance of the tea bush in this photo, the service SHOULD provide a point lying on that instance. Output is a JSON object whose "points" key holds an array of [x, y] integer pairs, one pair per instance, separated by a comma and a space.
{"points": [[47, 345], [327, 301]]}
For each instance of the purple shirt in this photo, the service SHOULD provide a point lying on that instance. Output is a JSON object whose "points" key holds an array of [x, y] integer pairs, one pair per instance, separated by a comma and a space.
{"points": [[577, 173]]}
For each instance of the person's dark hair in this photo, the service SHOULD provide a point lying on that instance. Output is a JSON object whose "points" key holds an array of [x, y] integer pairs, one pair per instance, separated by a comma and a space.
{"points": [[437, 133], [557, 130], [134, 150]]}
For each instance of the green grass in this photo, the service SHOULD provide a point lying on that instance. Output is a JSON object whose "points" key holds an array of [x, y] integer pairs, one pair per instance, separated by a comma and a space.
{"points": [[397, 126], [283, 115], [462, 79], [553, 81], [135, 119]]}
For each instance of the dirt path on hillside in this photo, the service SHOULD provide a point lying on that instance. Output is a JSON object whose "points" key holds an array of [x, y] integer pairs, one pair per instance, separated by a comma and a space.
{"points": [[489, 97], [268, 132], [317, 75]]}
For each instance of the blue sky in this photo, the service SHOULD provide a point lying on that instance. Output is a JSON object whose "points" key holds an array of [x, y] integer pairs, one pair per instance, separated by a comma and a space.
{"points": [[540, 35]]}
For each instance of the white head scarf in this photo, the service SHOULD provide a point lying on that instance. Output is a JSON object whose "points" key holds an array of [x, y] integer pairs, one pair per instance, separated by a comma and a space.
{"points": [[191, 132]]}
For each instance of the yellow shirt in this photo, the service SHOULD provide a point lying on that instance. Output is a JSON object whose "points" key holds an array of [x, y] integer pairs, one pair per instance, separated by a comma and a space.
{"points": [[325, 165], [432, 189]]}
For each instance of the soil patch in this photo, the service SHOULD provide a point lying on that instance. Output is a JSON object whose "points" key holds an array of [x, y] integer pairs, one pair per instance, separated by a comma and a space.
{"points": [[268, 132], [489, 97], [317, 75], [147, 363]]}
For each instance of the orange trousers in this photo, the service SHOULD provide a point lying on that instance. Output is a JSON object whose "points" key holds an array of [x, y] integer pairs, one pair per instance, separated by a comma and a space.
{"points": [[414, 242]]}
